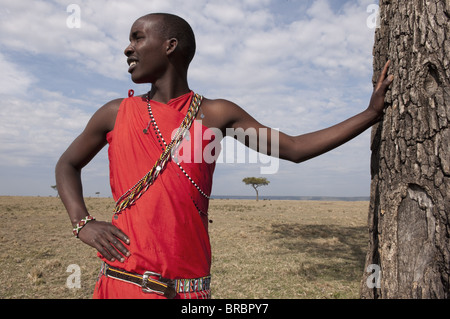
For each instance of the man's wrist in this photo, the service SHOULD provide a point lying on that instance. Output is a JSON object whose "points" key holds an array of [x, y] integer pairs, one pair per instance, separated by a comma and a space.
{"points": [[83, 222], [373, 115]]}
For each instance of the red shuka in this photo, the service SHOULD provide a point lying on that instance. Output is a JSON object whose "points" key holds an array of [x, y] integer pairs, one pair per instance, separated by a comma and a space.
{"points": [[168, 225]]}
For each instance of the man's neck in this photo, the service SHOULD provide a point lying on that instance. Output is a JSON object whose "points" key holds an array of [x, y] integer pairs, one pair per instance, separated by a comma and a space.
{"points": [[166, 91]]}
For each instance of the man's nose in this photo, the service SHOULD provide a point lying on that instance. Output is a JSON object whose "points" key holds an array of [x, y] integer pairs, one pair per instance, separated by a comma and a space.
{"points": [[128, 50]]}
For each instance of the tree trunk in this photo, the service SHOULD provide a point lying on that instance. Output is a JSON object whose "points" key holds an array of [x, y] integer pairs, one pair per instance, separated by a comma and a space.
{"points": [[409, 229], [257, 195]]}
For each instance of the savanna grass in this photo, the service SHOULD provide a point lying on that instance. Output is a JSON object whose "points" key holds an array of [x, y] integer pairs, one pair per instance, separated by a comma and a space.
{"points": [[265, 249]]}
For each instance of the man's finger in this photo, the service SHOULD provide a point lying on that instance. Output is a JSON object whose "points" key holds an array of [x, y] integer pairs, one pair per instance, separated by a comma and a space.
{"points": [[117, 238], [388, 80], [111, 248], [382, 76], [117, 244], [384, 81], [119, 234], [104, 252]]}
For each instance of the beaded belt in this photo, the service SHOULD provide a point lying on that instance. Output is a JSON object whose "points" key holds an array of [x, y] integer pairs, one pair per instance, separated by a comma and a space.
{"points": [[161, 286]]}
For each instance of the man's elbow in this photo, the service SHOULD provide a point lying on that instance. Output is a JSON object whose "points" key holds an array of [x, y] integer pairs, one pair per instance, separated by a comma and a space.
{"points": [[64, 166]]}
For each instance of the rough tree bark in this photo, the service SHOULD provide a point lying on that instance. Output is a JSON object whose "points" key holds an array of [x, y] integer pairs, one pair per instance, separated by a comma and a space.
{"points": [[409, 212]]}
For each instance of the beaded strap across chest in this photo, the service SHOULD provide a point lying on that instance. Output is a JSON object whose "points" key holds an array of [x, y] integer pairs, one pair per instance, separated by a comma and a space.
{"points": [[135, 192]]}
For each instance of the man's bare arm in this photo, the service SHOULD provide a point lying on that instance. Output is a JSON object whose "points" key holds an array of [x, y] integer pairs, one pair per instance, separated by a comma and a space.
{"points": [[101, 235], [306, 146]]}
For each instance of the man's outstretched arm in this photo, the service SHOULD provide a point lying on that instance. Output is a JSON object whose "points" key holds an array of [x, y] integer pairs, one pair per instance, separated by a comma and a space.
{"points": [[306, 146], [313, 144]]}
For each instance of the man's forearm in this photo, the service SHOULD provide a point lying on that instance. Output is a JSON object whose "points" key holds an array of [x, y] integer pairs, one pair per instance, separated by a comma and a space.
{"points": [[316, 143], [68, 181]]}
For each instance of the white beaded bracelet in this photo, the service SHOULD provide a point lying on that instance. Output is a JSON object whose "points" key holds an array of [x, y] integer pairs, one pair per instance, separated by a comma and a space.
{"points": [[81, 224]]}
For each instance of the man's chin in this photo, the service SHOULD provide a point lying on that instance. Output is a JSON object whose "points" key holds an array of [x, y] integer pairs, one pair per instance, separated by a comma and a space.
{"points": [[138, 79]]}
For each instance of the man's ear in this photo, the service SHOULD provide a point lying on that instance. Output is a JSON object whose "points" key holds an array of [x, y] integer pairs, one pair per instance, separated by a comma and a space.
{"points": [[171, 45]]}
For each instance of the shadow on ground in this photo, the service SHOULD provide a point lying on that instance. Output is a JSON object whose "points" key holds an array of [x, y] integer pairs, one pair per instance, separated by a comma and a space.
{"points": [[343, 247]]}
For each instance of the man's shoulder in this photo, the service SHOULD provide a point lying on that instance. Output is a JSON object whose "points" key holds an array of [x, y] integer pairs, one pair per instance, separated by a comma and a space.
{"points": [[220, 113], [105, 116], [221, 105], [114, 104], [218, 104], [112, 107]]}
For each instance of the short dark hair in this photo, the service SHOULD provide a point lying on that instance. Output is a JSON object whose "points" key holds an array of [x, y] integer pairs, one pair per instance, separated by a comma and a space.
{"points": [[173, 26]]}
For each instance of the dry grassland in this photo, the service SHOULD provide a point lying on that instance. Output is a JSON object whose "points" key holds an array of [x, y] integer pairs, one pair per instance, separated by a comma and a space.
{"points": [[265, 249]]}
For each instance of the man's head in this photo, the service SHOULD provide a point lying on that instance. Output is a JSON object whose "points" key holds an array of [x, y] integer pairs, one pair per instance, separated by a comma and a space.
{"points": [[155, 40]]}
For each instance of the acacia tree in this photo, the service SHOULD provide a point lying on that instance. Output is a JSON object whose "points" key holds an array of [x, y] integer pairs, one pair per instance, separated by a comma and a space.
{"points": [[409, 212], [56, 189], [256, 182]]}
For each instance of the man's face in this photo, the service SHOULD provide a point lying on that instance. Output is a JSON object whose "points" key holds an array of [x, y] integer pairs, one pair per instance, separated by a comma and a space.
{"points": [[146, 52]]}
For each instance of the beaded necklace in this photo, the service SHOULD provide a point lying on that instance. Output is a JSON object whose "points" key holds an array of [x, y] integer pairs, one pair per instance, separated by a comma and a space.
{"points": [[161, 138], [135, 192]]}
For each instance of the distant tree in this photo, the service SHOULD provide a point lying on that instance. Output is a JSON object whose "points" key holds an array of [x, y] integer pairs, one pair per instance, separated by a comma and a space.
{"points": [[256, 182], [97, 193], [56, 189]]}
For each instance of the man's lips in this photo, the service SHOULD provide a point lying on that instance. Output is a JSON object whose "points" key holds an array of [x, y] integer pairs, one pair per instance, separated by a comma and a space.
{"points": [[132, 63]]}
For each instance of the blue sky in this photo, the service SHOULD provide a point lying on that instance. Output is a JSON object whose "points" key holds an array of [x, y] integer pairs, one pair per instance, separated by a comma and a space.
{"points": [[297, 66]]}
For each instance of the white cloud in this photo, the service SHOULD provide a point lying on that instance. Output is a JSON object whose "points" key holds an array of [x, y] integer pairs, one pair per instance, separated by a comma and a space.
{"points": [[31, 129], [40, 27], [298, 74], [14, 78], [256, 63]]}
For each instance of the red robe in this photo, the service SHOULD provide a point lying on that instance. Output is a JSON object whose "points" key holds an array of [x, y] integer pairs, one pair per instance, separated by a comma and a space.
{"points": [[168, 225]]}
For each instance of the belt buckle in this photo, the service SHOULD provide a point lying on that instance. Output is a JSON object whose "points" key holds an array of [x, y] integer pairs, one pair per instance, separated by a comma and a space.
{"points": [[145, 277]]}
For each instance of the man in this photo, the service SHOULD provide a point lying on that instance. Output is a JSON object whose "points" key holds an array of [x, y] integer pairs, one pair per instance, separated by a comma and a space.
{"points": [[157, 245]]}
